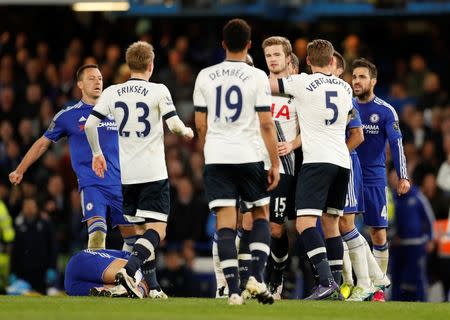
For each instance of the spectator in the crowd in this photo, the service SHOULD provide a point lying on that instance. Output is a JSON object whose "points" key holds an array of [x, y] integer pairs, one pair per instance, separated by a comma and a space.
{"points": [[416, 76], [398, 96], [33, 256], [433, 96], [439, 201], [188, 214], [443, 177], [413, 240]]}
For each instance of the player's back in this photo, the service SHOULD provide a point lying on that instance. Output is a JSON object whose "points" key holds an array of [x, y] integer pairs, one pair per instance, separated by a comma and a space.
{"points": [[324, 104], [137, 106], [232, 92]]}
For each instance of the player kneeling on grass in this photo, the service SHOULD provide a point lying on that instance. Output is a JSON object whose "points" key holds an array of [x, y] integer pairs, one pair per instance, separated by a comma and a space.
{"points": [[93, 273]]}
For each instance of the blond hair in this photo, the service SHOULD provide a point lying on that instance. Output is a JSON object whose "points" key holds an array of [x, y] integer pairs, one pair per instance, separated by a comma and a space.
{"points": [[139, 55], [277, 40], [320, 52]]}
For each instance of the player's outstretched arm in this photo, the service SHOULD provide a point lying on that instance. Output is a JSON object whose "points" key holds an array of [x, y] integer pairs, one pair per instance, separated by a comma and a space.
{"points": [[268, 134], [98, 160], [34, 153], [177, 126]]}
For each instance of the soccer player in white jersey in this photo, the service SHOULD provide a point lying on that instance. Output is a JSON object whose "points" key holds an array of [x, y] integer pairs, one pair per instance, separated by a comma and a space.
{"points": [[325, 102], [228, 99], [277, 52], [138, 106]]}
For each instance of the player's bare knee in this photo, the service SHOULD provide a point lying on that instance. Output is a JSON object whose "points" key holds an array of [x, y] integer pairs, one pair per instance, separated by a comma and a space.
{"points": [[378, 236], [247, 221], [261, 212], [330, 225], [276, 230], [305, 222], [127, 231], [346, 224]]}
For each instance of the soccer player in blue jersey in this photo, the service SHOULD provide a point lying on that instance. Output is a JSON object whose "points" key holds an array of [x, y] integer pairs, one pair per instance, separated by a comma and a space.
{"points": [[98, 196], [380, 124], [93, 273]]}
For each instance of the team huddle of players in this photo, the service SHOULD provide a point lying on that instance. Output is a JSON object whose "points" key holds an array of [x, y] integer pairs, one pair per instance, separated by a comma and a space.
{"points": [[251, 126], [335, 131]]}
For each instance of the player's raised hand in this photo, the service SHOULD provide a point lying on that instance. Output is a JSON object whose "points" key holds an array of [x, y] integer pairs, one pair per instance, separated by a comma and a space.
{"points": [[99, 165], [284, 148], [403, 186], [15, 177], [273, 177], [188, 133]]}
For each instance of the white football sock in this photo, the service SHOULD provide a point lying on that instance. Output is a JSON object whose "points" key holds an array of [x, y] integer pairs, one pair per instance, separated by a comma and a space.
{"points": [[357, 253], [220, 278], [375, 272], [347, 276]]}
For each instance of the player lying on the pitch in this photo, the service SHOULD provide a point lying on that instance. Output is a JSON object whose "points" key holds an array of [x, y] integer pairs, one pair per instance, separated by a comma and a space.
{"points": [[93, 273]]}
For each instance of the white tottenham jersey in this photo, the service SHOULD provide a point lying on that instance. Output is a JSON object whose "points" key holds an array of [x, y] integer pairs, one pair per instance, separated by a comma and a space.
{"points": [[324, 103], [284, 113], [138, 106], [231, 93]]}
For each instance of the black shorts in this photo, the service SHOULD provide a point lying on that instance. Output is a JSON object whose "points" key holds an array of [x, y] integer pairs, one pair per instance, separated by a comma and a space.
{"points": [[321, 187], [226, 183], [282, 200], [146, 202]]}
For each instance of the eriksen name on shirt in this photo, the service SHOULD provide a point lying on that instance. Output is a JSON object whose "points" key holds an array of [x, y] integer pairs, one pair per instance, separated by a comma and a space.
{"points": [[132, 89]]}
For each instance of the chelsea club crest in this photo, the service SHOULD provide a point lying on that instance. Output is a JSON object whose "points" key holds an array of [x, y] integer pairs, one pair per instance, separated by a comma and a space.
{"points": [[374, 118]]}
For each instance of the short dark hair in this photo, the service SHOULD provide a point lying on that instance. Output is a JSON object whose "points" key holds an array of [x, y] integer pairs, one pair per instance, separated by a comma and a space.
{"points": [[81, 69], [236, 34], [340, 62], [320, 52], [364, 63]]}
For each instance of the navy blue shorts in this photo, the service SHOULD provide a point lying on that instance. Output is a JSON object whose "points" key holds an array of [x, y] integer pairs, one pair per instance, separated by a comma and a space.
{"points": [[146, 202], [354, 202], [85, 270], [321, 187], [282, 200], [375, 201], [226, 183]]}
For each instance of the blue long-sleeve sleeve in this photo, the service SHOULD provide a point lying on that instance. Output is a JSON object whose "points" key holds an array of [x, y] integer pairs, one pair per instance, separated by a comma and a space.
{"points": [[427, 215], [396, 145]]}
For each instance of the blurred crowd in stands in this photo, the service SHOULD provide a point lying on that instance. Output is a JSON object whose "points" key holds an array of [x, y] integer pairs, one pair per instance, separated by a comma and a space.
{"points": [[38, 61]]}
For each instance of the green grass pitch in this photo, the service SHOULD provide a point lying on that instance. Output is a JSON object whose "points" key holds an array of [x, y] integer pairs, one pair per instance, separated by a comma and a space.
{"points": [[84, 308]]}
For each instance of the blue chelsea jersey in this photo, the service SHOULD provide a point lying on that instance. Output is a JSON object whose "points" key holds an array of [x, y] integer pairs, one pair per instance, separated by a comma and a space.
{"points": [[69, 123], [380, 124], [355, 122]]}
